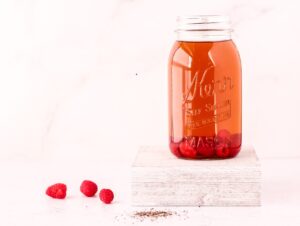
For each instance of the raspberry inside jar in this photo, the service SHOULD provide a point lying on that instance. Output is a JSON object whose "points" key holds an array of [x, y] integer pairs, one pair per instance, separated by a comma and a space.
{"points": [[205, 147]]}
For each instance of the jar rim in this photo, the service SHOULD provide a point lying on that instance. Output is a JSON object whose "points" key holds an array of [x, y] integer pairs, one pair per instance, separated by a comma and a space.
{"points": [[203, 22], [203, 28]]}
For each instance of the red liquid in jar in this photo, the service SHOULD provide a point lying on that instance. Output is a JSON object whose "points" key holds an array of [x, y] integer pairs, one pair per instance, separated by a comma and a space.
{"points": [[205, 100]]}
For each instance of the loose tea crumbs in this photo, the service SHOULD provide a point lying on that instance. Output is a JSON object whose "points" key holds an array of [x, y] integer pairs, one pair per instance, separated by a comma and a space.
{"points": [[153, 214]]}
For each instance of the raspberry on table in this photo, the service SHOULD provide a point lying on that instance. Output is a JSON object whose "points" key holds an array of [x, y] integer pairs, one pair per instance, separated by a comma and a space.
{"points": [[106, 195], [88, 188], [57, 191]]}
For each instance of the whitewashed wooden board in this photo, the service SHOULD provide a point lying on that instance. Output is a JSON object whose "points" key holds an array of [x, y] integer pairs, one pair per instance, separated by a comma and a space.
{"points": [[161, 179]]}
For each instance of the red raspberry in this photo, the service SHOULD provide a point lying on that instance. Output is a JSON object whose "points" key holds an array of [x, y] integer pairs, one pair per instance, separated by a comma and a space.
{"points": [[223, 136], [106, 195], [57, 191], [222, 150], [174, 147], [187, 150], [88, 188], [206, 147], [236, 141], [223, 143]]}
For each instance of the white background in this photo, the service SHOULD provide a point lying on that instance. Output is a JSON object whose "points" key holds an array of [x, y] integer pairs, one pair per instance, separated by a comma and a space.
{"points": [[68, 83], [87, 79]]}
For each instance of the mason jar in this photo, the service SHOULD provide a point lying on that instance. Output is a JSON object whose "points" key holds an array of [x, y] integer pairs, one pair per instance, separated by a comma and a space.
{"points": [[205, 89]]}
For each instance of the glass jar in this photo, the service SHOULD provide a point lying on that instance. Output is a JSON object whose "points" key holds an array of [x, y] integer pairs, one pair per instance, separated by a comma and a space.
{"points": [[205, 90]]}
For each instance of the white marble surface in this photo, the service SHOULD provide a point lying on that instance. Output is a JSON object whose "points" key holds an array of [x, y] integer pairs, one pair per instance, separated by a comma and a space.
{"points": [[23, 201]]}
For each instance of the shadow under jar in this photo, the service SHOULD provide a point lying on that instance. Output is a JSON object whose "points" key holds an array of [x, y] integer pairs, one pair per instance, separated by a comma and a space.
{"points": [[205, 90]]}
